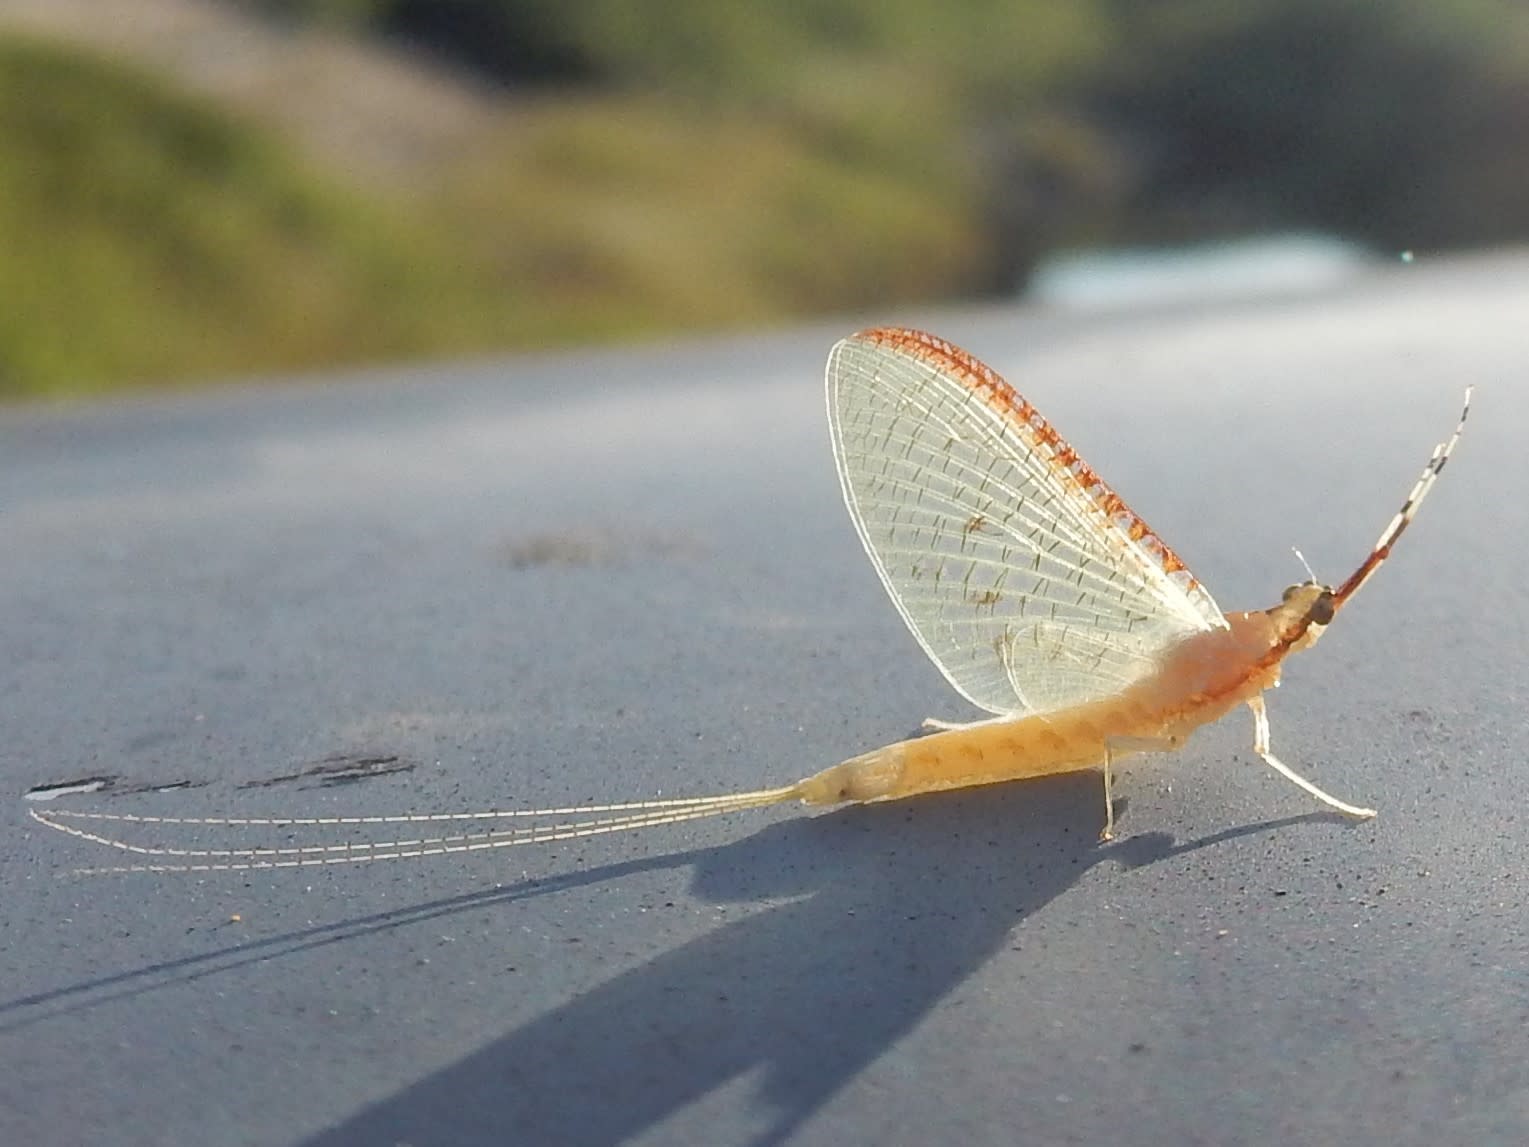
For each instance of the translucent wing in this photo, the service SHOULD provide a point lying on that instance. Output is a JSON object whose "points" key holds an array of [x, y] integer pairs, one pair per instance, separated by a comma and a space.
{"points": [[1026, 579]]}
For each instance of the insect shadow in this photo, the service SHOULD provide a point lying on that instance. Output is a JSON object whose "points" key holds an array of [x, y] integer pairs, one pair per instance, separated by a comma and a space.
{"points": [[893, 907]]}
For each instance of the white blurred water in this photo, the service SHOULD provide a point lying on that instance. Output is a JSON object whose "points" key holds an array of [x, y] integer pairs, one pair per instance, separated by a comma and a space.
{"points": [[1256, 267]]}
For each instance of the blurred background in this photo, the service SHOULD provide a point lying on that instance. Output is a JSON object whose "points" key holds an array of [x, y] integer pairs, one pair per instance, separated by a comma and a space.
{"points": [[202, 189]]}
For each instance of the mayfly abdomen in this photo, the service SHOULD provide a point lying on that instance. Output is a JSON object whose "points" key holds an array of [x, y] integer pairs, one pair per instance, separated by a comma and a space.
{"points": [[989, 752]]}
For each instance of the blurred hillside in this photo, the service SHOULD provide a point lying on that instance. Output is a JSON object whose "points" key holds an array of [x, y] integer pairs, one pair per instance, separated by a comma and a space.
{"points": [[199, 188]]}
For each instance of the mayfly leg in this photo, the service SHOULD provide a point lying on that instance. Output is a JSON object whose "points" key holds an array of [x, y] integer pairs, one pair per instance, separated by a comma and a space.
{"points": [[1115, 747], [1261, 747], [936, 725]]}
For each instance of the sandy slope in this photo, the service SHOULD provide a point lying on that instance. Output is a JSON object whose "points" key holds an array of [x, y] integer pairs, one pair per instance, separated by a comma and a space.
{"points": [[368, 108]]}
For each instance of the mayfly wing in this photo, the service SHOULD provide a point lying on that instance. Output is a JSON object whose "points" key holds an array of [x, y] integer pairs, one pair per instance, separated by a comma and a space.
{"points": [[1026, 579]]}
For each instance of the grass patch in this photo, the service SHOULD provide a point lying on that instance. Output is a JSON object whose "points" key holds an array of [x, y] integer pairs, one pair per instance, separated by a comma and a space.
{"points": [[152, 238], [619, 215]]}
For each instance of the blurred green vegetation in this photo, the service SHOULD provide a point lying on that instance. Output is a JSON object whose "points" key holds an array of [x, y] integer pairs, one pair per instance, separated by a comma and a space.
{"points": [[147, 236], [1398, 123], [152, 238], [681, 164]]}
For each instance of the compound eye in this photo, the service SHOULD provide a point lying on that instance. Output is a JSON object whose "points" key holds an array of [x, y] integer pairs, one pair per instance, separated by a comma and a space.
{"points": [[1290, 591], [1322, 609]]}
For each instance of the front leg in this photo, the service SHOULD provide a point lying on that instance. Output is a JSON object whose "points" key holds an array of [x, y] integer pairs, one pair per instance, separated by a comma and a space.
{"points": [[1261, 747]]}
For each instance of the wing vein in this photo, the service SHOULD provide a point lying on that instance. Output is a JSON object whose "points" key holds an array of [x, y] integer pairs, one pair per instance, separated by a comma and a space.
{"points": [[1025, 580]]}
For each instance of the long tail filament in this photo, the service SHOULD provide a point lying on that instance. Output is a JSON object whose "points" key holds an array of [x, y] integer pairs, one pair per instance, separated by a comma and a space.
{"points": [[606, 819]]}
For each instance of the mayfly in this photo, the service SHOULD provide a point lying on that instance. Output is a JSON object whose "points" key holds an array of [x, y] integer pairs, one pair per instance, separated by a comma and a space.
{"points": [[1039, 594]]}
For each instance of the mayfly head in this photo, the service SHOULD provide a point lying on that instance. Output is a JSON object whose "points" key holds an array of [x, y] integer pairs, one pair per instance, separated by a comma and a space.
{"points": [[1303, 614]]}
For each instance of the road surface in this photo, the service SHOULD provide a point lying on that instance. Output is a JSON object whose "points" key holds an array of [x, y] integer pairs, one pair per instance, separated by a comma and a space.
{"points": [[582, 578]]}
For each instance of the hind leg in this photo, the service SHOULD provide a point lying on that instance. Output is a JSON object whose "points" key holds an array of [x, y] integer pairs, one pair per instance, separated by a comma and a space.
{"points": [[934, 724]]}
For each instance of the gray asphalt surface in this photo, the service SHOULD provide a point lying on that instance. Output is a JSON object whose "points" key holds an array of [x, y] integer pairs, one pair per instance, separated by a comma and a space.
{"points": [[570, 579]]}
